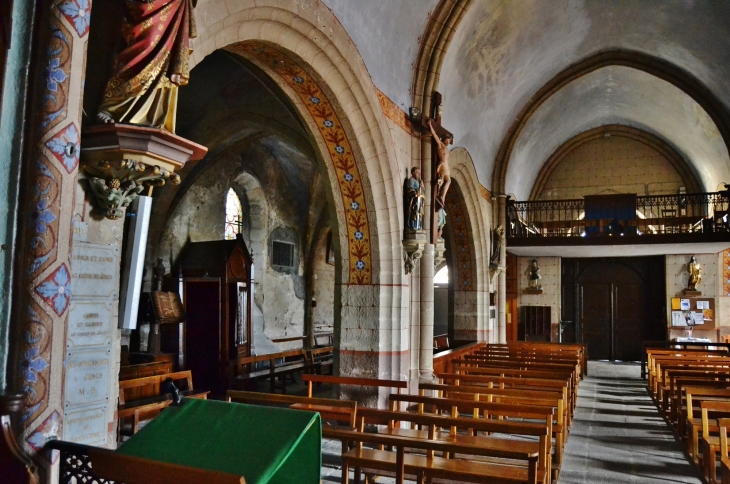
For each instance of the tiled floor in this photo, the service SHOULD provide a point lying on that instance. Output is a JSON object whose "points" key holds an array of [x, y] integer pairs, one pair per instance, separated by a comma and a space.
{"points": [[617, 435]]}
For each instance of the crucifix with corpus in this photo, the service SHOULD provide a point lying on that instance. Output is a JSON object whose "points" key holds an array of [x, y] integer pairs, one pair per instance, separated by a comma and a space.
{"points": [[441, 176]]}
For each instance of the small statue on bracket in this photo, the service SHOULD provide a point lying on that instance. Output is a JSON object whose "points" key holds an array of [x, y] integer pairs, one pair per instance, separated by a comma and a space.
{"points": [[415, 200], [535, 276], [695, 274]]}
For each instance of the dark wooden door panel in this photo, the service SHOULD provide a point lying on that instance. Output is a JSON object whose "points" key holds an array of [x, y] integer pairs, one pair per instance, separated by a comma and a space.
{"points": [[616, 303], [202, 305], [595, 305]]}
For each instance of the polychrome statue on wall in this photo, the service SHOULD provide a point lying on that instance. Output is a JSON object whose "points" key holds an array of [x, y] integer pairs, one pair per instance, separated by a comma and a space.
{"points": [[155, 61], [414, 200], [695, 274]]}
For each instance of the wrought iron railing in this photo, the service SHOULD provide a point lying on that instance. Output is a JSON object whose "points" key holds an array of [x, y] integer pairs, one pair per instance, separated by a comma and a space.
{"points": [[643, 216]]}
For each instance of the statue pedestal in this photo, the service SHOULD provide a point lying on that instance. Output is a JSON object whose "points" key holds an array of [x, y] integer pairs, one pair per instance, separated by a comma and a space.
{"points": [[414, 242], [121, 160], [532, 290], [691, 293]]}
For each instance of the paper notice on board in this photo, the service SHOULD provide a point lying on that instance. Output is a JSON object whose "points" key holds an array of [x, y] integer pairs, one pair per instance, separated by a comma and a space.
{"points": [[698, 318], [675, 304], [684, 304], [677, 318]]}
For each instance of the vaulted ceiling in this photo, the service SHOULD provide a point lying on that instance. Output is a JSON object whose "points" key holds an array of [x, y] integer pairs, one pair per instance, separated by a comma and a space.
{"points": [[504, 51]]}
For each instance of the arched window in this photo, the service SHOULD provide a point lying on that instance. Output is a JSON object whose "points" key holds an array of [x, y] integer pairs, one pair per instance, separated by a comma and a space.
{"points": [[442, 276], [234, 215]]}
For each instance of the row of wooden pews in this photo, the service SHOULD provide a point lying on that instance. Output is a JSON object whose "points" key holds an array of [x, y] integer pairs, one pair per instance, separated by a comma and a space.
{"points": [[501, 414], [691, 387]]}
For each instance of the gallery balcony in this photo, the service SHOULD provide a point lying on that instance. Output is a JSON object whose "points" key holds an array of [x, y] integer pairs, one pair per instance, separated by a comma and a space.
{"points": [[668, 224]]}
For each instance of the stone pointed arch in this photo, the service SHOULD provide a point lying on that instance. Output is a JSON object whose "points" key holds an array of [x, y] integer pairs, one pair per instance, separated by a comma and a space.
{"points": [[306, 46], [468, 219], [655, 66]]}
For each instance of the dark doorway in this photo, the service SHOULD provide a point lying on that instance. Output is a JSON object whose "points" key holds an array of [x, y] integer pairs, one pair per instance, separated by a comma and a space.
{"points": [[614, 304], [202, 303]]}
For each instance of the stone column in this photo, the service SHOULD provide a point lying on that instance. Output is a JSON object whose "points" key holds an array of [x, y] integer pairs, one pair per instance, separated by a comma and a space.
{"points": [[426, 346], [502, 277], [49, 178]]}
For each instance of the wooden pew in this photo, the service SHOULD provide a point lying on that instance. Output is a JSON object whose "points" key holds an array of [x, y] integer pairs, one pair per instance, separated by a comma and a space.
{"points": [[129, 372], [114, 467], [140, 398], [695, 396], [517, 383], [457, 406], [329, 409], [710, 440], [321, 360], [281, 364], [535, 467], [522, 372], [723, 425], [578, 349], [398, 385]]}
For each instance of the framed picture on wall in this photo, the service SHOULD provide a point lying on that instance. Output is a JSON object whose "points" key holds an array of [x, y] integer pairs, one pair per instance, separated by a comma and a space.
{"points": [[330, 251]]}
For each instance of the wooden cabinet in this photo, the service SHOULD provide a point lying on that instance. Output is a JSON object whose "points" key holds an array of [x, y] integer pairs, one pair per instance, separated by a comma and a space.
{"points": [[534, 323], [217, 279]]}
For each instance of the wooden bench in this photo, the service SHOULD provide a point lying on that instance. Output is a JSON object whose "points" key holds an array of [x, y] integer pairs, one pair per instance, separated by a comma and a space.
{"points": [[458, 406], [695, 397], [281, 364], [140, 399], [129, 372], [329, 409], [321, 360], [710, 439], [501, 451]]}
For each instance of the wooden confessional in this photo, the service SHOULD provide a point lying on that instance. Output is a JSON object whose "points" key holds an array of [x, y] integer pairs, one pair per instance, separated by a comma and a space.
{"points": [[216, 286]]}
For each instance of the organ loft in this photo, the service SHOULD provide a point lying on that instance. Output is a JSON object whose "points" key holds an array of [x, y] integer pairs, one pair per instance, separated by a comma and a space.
{"points": [[308, 241]]}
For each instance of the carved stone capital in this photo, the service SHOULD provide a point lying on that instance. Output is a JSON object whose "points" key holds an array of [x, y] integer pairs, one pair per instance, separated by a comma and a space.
{"points": [[413, 246], [439, 251]]}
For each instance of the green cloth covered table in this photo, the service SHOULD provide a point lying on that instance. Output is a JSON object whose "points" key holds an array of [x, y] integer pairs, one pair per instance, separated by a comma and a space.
{"points": [[264, 445]]}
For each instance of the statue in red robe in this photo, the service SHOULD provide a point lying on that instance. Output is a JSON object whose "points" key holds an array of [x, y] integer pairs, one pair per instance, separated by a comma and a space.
{"points": [[147, 73]]}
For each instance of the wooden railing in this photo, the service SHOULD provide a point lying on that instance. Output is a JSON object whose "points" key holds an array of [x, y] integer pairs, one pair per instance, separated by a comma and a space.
{"points": [[619, 216]]}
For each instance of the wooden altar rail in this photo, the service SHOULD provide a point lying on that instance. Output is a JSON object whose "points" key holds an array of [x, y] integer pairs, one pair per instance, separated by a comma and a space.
{"points": [[82, 463]]}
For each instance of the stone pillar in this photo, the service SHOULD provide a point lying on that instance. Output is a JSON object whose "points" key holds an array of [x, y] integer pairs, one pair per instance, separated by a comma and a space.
{"points": [[49, 178], [426, 340], [502, 281]]}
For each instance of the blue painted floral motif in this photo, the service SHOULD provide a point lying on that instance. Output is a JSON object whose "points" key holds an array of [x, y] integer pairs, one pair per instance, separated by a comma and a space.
{"points": [[65, 146], [339, 149], [360, 265], [48, 430], [466, 283], [358, 235], [298, 80], [78, 13], [314, 100], [56, 289], [43, 215], [32, 364], [355, 206], [349, 177], [53, 73], [328, 124]]}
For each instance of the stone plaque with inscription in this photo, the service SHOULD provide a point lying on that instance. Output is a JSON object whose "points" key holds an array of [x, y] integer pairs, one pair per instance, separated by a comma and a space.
{"points": [[94, 271], [89, 324], [87, 426], [87, 377]]}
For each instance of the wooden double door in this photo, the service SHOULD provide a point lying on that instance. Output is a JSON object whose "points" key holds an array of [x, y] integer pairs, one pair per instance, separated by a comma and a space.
{"points": [[614, 304]]}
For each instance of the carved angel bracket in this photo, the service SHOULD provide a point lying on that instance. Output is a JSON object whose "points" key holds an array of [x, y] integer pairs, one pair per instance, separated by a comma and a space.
{"points": [[115, 184], [413, 245]]}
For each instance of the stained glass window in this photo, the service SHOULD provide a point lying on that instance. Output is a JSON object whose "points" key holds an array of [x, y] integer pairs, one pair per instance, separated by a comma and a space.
{"points": [[234, 215]]}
